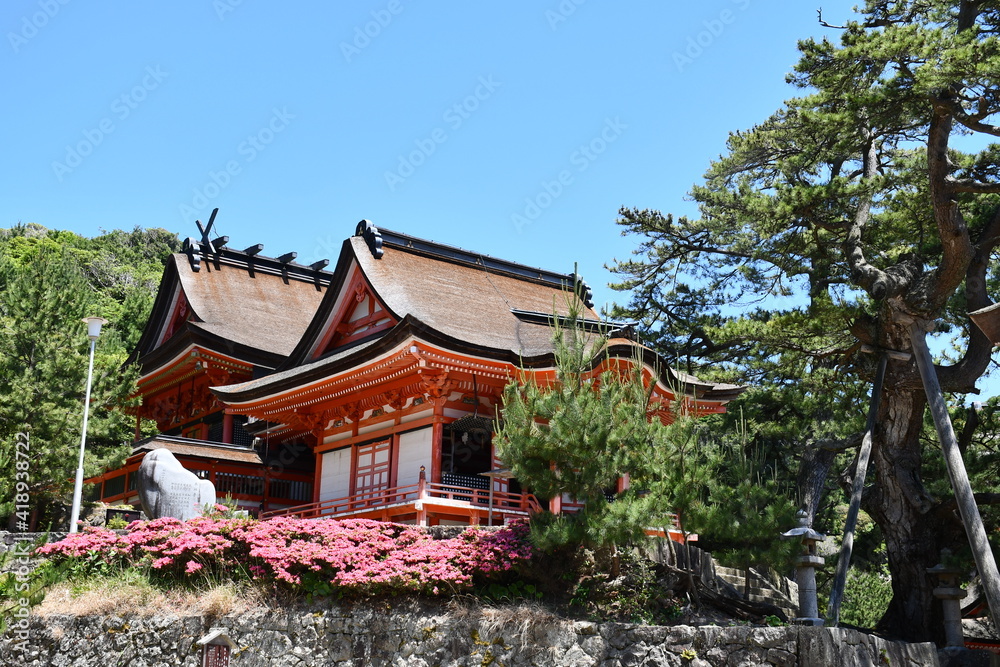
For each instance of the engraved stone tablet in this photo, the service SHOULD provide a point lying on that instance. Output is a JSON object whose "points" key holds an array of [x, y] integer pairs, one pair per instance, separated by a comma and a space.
{"points": [[167, 489]]}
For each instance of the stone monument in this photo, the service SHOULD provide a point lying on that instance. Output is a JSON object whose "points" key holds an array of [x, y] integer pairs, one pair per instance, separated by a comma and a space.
{"points": [[167, 489]]}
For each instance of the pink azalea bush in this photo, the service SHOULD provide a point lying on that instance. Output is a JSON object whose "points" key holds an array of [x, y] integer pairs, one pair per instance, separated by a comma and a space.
{"points": [[353, 556]]}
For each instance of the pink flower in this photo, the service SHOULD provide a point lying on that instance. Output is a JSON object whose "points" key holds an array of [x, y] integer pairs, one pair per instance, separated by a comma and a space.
{"points": [[356, 556]]}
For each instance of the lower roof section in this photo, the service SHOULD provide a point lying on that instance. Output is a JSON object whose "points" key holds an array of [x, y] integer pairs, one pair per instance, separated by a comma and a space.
{"points": [[410, 342], [215, 451]]}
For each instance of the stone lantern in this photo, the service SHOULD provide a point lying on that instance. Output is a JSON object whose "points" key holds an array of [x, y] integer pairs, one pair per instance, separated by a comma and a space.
{"points": [[805, 571], [950, 594]]}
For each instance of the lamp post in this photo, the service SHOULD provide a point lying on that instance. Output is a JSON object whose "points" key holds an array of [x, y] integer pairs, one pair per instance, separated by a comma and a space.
{"points": [[93, 331]]}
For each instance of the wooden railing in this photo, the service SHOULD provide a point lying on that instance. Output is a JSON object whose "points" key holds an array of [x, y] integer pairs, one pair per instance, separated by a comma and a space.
{"points": [[500, 502], [352, 504]]}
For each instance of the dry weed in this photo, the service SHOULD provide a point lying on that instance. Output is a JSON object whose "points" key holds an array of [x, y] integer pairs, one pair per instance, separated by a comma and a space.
{"points": [[110, 596], [516, 624]]}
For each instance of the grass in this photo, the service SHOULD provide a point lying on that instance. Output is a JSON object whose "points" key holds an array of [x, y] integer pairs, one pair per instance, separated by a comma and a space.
{"points": [[131, 592]]}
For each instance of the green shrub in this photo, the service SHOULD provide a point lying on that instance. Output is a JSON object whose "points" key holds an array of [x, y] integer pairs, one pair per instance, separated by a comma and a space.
{"points": [[866, 597]]}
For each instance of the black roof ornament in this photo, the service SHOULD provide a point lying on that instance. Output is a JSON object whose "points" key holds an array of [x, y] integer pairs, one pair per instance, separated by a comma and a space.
{"points": [[255, 249], [220, 243], [583, 290], [369, 232], [206, 239], [288, 257], [193, 253], [319, 265], [626, 331]]}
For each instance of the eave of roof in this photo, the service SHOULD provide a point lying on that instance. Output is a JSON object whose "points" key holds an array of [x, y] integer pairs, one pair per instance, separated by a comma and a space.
{"points": [[191, 334], [409, 328], [198, 449]]}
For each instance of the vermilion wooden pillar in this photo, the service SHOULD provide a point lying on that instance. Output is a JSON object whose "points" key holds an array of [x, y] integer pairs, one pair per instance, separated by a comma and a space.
{"points": [[623, 482], [317, 477], [555, 503], [437, 447], [227, 428]]}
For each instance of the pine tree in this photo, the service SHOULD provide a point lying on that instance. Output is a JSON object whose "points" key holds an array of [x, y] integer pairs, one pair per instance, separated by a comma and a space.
{"points": [[744, 512], [855, 199], [578, 436]]}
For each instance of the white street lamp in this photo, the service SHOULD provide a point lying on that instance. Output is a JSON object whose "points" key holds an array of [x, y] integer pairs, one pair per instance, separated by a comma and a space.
{"points": [[93, 331]]}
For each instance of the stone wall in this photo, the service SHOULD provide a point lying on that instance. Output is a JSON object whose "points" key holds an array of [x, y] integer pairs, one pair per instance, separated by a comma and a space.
{"points": [[423, 634]]}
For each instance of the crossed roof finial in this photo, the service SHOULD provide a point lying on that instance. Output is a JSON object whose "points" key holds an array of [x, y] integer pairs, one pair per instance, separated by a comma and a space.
{"points": [[206, 231]]}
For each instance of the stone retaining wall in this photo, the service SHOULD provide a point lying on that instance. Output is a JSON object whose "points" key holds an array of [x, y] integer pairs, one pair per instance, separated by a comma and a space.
{"points": [[425, 635]]}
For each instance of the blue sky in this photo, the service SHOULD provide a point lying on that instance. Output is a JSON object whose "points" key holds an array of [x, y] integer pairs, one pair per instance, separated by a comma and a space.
{"points": [[513, 129]]}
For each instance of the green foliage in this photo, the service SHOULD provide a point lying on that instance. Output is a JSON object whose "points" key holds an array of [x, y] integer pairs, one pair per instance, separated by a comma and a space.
{"points": [[745, 510], [117, 523], [49, 281], [824, 231], [22, 585], [866, 596], [638, 595], [578, 437], [507, 593]]}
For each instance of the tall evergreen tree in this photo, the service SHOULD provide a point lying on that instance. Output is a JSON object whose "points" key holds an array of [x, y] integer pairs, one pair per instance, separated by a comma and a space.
{"points": [[855, 199], [49, 281], [744, 508], [590, 427], [578, 436]]}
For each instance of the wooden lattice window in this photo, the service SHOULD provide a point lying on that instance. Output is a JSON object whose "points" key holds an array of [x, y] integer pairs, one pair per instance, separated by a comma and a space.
{"points": [[373, 468]]}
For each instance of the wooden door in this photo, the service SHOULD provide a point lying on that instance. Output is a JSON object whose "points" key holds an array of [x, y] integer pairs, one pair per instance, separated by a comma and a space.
{"points": [[371, 475]]}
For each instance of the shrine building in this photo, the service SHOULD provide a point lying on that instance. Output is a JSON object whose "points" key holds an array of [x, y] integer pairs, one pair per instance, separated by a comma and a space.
{"points": [[368, 390]]}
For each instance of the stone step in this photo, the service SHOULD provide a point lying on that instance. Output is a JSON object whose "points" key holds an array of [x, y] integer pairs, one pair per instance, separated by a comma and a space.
{"points": [[777, 602], [736, 578], [760, 590], [769, 596], [780, 592]]}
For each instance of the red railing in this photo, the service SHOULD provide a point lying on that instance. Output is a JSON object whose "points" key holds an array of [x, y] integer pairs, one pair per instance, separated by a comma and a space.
{"points": [[502, 502], [352, 504]]}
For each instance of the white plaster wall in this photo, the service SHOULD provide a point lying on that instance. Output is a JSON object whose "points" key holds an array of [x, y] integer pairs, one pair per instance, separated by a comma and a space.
{"points": [[414, 451], [335, 480], [337, 436], [413, 416]]}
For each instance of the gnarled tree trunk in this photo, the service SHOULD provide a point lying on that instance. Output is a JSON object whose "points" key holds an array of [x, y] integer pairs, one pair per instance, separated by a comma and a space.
{"points": [[900, 504]]}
